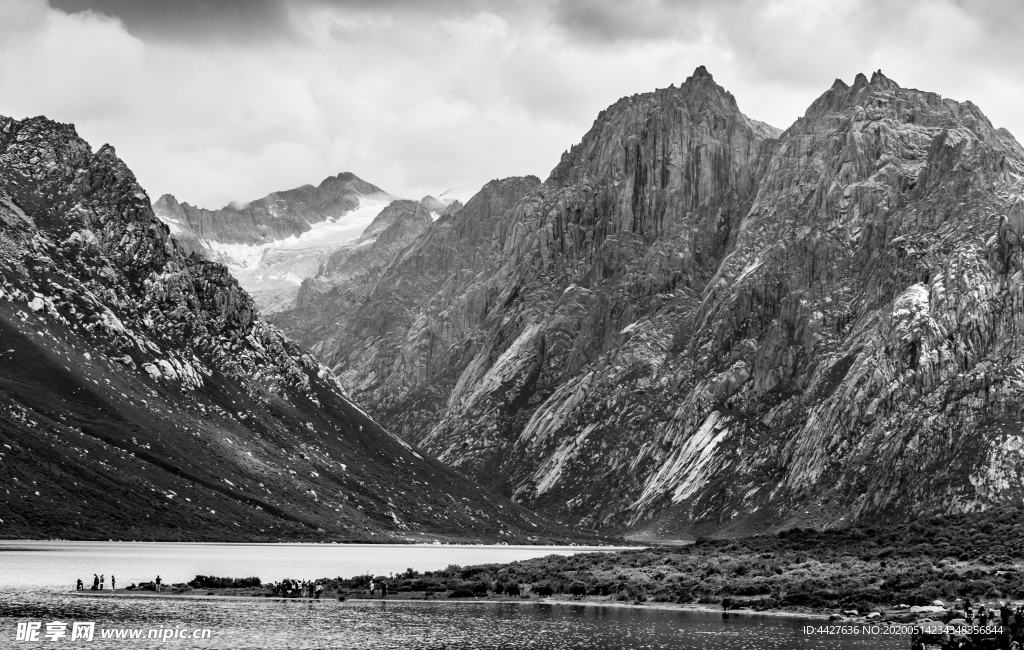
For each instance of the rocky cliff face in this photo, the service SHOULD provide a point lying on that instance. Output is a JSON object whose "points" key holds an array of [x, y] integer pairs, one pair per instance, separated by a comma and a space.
{"points": [[700, 324], [141, 397], [272, 244]]}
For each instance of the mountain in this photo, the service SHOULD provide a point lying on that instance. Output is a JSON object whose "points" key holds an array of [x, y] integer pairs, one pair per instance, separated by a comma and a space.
{"points": [[142, 397], [273, 243], [699, 324], [326, 300]]}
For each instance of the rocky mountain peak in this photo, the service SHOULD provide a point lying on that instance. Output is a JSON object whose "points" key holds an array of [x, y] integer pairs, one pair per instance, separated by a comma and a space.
{"points": [[636, 149], [700, 72], [700, 88], [880, 98], [167, 202], [349, 182], [880, 80]]}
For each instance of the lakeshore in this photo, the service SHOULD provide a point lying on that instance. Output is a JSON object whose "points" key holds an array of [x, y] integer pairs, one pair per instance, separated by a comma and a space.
{"points": [[247, 615]]}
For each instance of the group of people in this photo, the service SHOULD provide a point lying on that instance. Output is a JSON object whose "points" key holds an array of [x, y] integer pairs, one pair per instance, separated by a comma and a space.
{"points": [[381, 586], [297, 589], [990, 627], [98, 583]]}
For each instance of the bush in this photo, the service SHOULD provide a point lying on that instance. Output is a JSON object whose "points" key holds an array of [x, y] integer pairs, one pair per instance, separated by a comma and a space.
{"points": [[799, 567], [421, 584], [213, 582]]}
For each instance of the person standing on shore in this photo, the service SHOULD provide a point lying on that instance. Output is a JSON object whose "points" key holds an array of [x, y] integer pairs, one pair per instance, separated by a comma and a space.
{"points": [[95, 582], [102, 580], [79, 586], [158, 583], [113, 582], [373, 588]]}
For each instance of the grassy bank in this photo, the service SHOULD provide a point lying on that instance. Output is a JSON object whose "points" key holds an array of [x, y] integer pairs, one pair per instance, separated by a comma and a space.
{"points": [[979, 556]]}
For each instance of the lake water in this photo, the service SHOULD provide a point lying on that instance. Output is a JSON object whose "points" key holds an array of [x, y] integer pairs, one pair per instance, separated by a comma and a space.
{"points": [[36, 576]]}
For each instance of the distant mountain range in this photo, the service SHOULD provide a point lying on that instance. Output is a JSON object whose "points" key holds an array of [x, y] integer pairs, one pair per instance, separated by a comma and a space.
{"points": [[142, 397], [272, 244], [700, 324]]}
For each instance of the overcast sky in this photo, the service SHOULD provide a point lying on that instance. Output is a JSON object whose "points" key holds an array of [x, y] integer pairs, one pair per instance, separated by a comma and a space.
{"points": [[220, 100]]}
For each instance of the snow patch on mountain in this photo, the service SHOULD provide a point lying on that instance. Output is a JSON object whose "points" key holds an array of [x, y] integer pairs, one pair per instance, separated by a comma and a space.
{"points": [[328, 233]]}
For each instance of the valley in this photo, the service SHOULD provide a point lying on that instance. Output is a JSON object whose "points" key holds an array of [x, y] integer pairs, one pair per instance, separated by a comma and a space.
{"points": [[143, 398]]}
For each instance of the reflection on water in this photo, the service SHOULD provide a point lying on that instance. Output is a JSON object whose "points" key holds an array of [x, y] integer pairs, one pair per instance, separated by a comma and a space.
{"points": [[298, 625], [32, 584]]}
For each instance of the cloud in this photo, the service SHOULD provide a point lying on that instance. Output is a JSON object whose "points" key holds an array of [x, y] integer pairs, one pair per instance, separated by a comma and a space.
{"points": [[227, 100], [191, 20], [604, 21]]}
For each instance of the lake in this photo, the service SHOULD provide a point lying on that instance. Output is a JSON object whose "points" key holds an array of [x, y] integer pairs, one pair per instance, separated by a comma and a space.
{"points": [[36, 576]]}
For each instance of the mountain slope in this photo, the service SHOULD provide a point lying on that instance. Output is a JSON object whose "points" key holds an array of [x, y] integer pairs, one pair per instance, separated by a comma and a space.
{"points": [[699, 324], [142, 398]]}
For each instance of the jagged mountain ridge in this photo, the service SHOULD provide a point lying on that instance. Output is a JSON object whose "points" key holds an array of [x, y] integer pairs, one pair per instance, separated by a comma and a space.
{"points": [[700, 324], [141, 397], [278, 215]]}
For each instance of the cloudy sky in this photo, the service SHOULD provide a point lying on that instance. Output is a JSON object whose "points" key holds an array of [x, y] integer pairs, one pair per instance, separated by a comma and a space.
{"points": [[220, 100]]}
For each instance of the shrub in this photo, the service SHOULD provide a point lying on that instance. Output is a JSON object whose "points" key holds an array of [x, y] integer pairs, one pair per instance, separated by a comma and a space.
{"points": [[213, 582]]}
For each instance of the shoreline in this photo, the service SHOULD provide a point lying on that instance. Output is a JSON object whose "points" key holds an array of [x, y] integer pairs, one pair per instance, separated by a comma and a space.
{"points": [[694, 607], [583, 548]]}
